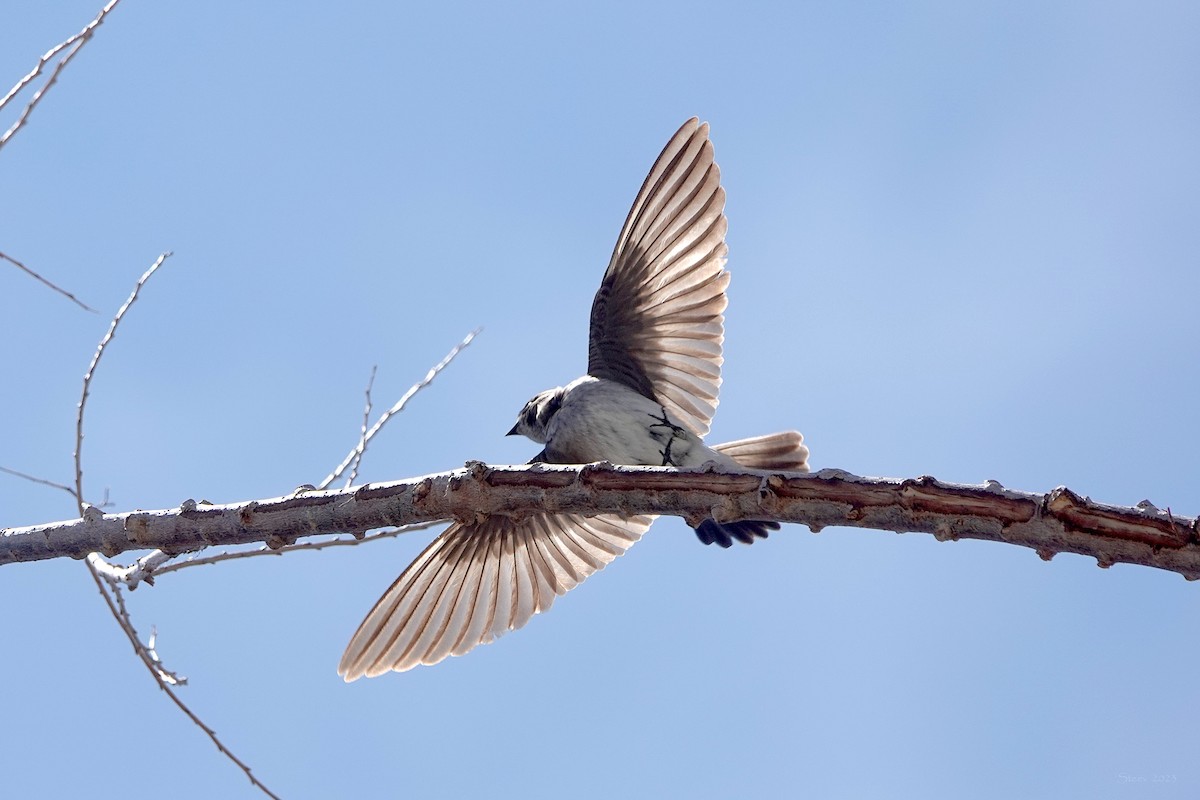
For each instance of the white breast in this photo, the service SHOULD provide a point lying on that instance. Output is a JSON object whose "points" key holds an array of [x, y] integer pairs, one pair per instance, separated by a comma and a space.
{"points": [[601, 420]]}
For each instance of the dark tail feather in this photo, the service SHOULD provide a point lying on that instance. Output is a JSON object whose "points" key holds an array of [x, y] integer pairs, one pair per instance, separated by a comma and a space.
{"points": [[781, 451]]}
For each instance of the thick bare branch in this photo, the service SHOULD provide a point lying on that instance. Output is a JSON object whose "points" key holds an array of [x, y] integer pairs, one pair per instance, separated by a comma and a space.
{"points": [[1059, 521]]}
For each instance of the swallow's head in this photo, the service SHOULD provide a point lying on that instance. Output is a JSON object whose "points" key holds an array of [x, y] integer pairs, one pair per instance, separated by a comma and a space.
{"points": [[534, 419]]}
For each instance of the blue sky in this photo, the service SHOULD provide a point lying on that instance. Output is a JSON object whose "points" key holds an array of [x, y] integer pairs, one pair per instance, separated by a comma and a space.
{"points": [[963, 240]]}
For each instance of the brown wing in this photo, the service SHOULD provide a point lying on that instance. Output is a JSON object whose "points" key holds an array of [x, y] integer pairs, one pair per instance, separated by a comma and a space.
{"points": [[475, 583], [657, 321]]}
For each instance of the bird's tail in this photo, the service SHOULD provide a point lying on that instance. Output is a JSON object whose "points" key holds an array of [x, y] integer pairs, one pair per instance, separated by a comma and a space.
{"points": [[782, 451]]}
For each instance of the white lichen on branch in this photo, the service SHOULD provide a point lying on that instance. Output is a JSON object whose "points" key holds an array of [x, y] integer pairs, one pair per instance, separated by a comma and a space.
{"points": [[1051, 523]]}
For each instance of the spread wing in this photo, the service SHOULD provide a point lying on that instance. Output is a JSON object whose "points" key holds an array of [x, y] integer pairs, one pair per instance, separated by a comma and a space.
{"points": [[475, 583], [657, 322]]}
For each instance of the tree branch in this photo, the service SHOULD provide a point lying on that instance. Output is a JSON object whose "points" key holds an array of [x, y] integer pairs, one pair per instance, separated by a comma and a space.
{"points": [[356, 454], [155, 563], [91, 371], [1059, 521], [76, 43], [44, 282], [166, 680]]}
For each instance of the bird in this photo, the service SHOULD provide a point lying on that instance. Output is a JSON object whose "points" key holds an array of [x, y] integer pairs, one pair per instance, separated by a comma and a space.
{"points": [[648, 398]]}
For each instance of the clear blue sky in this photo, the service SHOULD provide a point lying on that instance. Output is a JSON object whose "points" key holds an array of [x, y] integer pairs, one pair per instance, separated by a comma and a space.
{"points": [[964, 242]]}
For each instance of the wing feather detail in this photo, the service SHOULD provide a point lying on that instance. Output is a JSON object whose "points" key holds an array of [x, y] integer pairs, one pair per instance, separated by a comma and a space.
{"points": [[659, 310], [474, 583]]}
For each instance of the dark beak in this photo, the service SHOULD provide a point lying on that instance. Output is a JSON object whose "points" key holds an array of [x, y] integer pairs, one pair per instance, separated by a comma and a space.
{"points": [[513, 432]]}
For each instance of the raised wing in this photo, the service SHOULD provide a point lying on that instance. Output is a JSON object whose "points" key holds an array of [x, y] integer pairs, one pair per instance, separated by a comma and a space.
{"points": [[474, 583], [657, 321]]}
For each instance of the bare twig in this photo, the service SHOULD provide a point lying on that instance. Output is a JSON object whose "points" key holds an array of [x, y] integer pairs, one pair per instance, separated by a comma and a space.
{"points": [[143, 569], [58, 289], [75, 43], [376, 536], [41, 481], [153, 563], [1054, 522], [91, 371], [150, 566], [362, 437], [152, 650], [104, 502], [396, 409], [145, 651], [102, 572], [165, 679]]}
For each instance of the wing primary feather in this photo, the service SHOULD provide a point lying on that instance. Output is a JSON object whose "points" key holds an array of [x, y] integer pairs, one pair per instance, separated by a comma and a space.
{"points": [[475, 598], [665, 161], [667, 212], [525, 605], [463, 602], [482, 614], [382, 622], [506, 590], [426, 625], [412, 615]]}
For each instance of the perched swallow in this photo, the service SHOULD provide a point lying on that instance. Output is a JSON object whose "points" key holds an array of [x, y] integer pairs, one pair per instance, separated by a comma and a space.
{"points": [[654, 370]]}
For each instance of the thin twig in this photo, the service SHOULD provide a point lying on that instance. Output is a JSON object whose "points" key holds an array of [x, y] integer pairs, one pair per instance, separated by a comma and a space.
{"points": [[151, 565], [91, 370], [76, 42], [58, 289], [155, 563], [101, 570], [366, 420], [42, 481], [152, 649], [104, 503], [397, 408], [145, 651], [151, 662], [389, 533], [21, 84]]}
